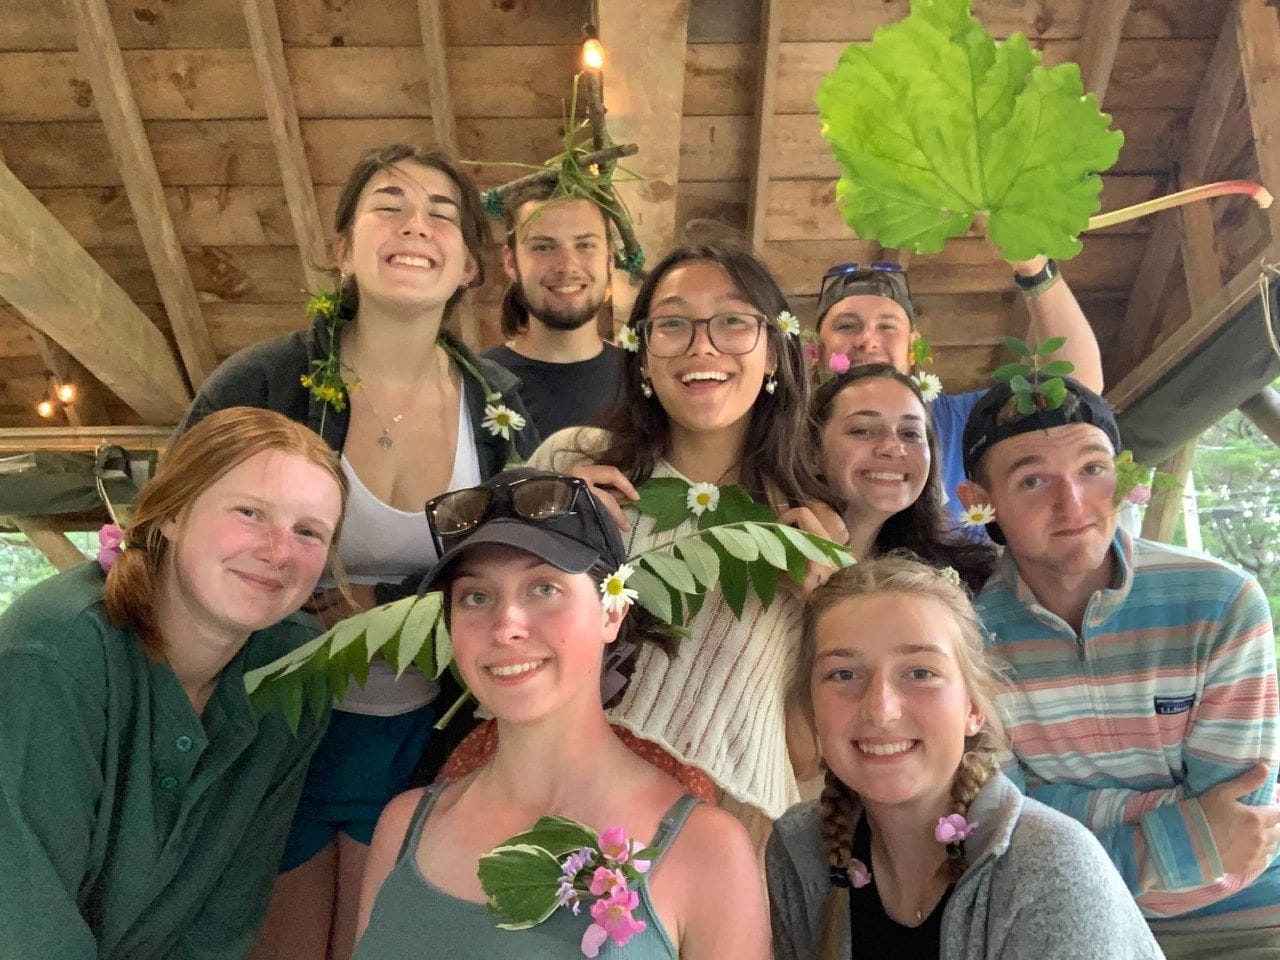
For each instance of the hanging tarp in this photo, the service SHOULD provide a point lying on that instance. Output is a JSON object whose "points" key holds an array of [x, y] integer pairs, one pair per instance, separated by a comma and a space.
{"points": [[46, 483], [1238, 362]]}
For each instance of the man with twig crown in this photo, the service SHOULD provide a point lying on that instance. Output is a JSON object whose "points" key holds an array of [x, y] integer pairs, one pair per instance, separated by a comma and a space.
{"points": [[558, 259]]}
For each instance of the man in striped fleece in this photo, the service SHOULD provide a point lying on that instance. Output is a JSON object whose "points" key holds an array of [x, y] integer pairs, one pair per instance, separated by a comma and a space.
{"points": [[1142, 678]]}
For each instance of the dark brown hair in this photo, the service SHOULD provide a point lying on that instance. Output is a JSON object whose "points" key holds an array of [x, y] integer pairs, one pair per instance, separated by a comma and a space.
{"points": [[924, 528], [910, 579], [778, 459], [200, 457], [471, 217], [514, 313]]}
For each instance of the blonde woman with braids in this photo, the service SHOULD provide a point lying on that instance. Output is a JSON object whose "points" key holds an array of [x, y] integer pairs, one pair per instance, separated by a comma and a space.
{"points": [[919, 847]]}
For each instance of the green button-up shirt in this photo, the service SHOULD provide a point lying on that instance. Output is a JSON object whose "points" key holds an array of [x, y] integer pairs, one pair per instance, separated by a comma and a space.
{"points": [[130, 827]]}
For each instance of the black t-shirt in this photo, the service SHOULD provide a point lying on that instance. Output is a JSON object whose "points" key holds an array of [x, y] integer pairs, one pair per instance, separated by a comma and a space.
{"points": [[560, 395], [876, 935]]}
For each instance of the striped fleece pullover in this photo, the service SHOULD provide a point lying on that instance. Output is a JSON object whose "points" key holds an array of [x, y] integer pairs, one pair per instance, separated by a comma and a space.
{"points": [[1169, 689]]}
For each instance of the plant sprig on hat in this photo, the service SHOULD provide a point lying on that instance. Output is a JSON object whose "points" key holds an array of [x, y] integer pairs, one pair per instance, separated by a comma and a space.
{"points": [[671, 581], [1036, 382]]}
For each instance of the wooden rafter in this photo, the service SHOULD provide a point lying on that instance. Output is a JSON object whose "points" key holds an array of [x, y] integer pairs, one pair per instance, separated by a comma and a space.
{"points": [[88, 408], [763, 146], [113, 95], [263, 21], [1263, 410], [49, 540], [73, 439], [1258, 36], [645, 100], [1141, 321], [62, 292], [1099, 43]]}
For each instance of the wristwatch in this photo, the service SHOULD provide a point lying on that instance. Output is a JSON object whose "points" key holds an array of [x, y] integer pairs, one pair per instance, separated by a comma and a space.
{"points": [[1037, 282]]}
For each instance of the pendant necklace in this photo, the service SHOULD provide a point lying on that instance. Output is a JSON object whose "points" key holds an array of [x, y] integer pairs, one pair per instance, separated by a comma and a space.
{"points": [[384, 441]]}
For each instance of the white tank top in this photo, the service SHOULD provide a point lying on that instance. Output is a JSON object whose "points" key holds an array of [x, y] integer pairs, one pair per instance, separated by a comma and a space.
{"points": [[381, 543]]}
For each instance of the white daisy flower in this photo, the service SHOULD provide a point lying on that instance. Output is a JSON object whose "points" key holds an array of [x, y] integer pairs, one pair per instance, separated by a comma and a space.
{"points": [[950, 575], [929, 385], [615, 595], [703, 497], [499, 419], [628, 339], [788, 324], [979, 515]]}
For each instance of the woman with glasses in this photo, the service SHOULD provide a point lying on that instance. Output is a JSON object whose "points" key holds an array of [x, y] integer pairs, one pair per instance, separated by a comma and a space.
{"points": [[878, 451], [523, 559], [716, 393]]}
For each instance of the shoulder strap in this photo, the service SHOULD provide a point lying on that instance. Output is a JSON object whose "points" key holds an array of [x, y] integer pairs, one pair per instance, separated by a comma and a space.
{"points": [[670, 826], [420, 814]]}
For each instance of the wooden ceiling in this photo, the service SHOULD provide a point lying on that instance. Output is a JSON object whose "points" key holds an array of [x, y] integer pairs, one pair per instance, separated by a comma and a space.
{"points": [[155, 133]]}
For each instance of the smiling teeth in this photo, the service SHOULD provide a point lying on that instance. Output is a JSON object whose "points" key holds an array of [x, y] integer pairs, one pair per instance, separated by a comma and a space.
{"points": [[886, 749], [515, 669], [885, 476], [411, 261], [704, 375]]}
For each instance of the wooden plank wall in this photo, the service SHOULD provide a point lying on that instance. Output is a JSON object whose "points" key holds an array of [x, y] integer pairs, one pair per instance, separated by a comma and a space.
{"points": [[359, 79]]}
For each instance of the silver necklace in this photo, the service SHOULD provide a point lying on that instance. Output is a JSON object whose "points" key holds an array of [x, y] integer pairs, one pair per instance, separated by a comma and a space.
{"points": [[384, 441]]}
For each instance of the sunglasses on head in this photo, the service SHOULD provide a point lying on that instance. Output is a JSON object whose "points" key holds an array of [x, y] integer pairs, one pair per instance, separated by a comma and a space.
{"points": [[533, 499], [842, 271]]}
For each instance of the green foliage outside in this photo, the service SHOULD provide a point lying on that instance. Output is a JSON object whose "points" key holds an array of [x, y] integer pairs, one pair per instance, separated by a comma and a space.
{"points": [[22, 566]]}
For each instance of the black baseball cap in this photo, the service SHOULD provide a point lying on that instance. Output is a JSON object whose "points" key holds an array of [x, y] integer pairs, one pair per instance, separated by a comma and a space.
{"points": [[865, 282], [996, 417], [552, 516]]}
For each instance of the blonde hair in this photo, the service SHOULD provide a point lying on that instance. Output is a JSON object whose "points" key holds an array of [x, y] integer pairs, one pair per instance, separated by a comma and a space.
{"points": [[217, 444], [895, 574]]}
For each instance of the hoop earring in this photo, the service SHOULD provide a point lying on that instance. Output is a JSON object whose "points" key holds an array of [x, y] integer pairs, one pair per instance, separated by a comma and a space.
{"points": [[770, 383]]}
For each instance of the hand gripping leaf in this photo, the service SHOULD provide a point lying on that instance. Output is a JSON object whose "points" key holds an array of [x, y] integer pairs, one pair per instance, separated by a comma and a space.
{"points": [[934, 122]]}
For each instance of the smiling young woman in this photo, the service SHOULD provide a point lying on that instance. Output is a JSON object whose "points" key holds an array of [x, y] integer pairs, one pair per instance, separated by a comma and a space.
{"points": [[143, 801], [410, 418]]}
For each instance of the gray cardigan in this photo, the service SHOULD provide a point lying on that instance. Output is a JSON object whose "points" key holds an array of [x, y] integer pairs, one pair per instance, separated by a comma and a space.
{"points": [[1039, 887]]}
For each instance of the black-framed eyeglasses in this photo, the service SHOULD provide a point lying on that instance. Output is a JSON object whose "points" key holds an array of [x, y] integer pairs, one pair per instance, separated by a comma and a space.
{"points": [[841, 271], [534, 499], [733, 333]]}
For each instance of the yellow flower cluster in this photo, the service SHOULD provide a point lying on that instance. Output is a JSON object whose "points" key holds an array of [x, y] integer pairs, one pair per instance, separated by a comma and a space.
{"points": [[325, 391]]}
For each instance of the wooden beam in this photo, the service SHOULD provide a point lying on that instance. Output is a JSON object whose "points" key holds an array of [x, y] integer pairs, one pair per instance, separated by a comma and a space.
{"points": [[1201, 262], [74, 439], [644, 93], [263, 21], [62, 292], [1098, 44], [49, 540], [1258, 35], [1165, 507], [1141, 321], [1263, 410], [101, 58], [443, 121], [88, 407], [763, 145]]}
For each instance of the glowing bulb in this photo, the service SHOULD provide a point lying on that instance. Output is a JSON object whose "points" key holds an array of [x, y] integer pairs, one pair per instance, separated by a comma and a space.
{"points": [[66, 392], [46, 408], [592, 54]]}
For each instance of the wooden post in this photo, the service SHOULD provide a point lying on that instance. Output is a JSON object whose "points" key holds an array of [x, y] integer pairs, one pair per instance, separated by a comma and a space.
{"points": [[1258, 36], [1099, 43], [766, 82], [1165, 505], [50, 541], [1263, 409]]}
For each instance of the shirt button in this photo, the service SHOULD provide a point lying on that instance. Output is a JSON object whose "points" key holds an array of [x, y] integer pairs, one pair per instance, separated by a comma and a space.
{"points": [[184, 743], [168, 783]]}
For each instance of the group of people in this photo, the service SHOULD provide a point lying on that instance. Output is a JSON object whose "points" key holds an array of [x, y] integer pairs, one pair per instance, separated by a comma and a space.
{"points": [[1045, 738]]}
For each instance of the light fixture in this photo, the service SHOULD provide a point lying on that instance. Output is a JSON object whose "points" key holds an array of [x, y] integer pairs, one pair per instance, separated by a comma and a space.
{"points": [[46, 408], [592, 54], [66, 392]]}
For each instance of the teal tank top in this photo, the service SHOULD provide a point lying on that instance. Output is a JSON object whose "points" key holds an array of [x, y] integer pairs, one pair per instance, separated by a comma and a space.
{"points": [[413, 920]]}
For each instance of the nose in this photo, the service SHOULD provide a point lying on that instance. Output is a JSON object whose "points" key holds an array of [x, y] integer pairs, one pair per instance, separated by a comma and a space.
{"points": [[417, 225], [510, 622], [1070, 496], [890, 445], [701, 342], [275, 547], [881, 704]]}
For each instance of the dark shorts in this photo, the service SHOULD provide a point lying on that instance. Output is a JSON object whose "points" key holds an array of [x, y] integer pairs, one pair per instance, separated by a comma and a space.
{"points": [[361, 764]]}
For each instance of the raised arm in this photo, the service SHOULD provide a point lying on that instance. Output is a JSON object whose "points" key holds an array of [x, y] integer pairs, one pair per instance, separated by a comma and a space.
{"points": [[1055, 312]]}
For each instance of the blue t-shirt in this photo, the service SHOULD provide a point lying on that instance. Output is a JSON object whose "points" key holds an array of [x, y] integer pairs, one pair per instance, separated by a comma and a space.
{"points": [[949, 412]]}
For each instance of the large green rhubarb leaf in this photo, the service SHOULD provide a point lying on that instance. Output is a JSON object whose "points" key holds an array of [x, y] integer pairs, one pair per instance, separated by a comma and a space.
{"points": [[934, 123]]}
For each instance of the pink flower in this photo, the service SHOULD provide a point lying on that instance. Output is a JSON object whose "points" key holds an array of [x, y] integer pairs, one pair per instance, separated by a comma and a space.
{"points": [[110, 543], [612, 918], [604, 881], [615, 845], [640, 866], [1138, 495], [953, 829], [812, 352], [859, 875], [838, 362]]}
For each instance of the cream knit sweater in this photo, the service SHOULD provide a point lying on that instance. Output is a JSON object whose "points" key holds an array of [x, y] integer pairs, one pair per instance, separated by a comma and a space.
{"points": [[719, 705]]}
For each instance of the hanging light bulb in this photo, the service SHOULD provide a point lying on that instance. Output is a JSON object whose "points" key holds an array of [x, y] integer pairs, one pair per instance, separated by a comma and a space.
{"points": [[66, 392], [592, 54], [46, 408]]}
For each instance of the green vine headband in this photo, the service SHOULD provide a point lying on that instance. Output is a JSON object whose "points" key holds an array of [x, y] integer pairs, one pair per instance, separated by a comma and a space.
{"points": [[324, 381], [737, 547], [582, 174]]}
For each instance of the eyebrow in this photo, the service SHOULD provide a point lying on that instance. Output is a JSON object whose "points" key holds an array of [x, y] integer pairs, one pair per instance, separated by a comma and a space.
{"points": [[677, 300], [1035, 458], [392, 190], [902, 648], [530, 561], [592, 235], [253, 499], [877, 415]]}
